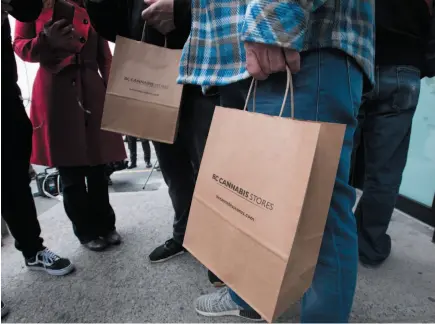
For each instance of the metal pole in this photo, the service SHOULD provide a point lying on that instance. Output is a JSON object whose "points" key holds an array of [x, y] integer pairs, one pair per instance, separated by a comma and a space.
{"points": [[149, 176]]}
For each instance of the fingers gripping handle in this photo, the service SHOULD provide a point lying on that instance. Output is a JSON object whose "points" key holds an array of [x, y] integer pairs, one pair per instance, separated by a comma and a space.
{"points": [[144, 35], [289, 86]]}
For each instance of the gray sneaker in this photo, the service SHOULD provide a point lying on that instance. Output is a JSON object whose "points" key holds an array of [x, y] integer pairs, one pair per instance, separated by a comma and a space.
{"points": [[220, 303]]}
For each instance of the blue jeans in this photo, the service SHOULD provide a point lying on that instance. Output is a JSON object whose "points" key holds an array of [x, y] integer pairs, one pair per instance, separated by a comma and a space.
{"points": [[328, 88], [385, 125]]}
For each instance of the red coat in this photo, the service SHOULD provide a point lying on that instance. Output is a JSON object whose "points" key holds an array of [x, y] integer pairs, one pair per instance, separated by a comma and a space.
{"points": [[64, 133]]}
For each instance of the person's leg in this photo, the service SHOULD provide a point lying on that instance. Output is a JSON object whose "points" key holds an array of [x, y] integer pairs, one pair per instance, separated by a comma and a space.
{"points": [[77, 205], [387, 132], [180, 162], [197, 117], [330, 297], [357, 162], [178, 174], [198, 114], [102, 214], [328, 88], [132, 147], [17, 207], [146, 150], [177, 166]]}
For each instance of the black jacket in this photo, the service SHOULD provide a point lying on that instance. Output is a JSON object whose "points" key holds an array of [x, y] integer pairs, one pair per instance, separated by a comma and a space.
{"points": [[25, 11], [123, 17], [402, 31]]}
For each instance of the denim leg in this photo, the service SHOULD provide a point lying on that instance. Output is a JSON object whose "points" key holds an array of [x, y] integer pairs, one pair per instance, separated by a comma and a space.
{"points": [[386, 131], [239, 301], [328, 88]]}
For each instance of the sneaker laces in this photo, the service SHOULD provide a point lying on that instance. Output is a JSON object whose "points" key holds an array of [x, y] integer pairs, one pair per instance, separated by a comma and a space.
{"points": [[48, 257], [223, 299], [223, 293]]}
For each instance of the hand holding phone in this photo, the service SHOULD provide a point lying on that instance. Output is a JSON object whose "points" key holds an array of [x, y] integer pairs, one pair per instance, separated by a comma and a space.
{"points": [[59, 35]]}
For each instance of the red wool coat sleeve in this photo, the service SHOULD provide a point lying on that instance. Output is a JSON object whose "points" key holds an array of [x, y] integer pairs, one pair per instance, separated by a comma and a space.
{"points": [[104, 58], [32, 46]]}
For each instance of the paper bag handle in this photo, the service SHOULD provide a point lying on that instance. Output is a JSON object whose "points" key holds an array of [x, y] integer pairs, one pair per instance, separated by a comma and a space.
{"points": [[289, 85], [142, 39]]}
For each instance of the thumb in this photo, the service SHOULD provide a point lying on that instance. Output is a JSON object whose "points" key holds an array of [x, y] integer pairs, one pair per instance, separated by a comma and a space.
{"points": [[48, 24], [147, 14], [293, 60]]}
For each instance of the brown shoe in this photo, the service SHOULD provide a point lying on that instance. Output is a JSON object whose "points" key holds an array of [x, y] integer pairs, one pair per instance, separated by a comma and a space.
{"points": [[96, 245], [113, 238]]}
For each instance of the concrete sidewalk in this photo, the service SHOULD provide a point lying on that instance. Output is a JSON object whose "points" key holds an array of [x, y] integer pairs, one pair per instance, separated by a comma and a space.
{"points": [[120, 285]]}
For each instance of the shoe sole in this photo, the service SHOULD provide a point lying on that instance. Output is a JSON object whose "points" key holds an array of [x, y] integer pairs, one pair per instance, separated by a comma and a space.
{"points": [[100, 249], [168, 258], [61, 272], [371, 266], [236, 313], [116, 243]]}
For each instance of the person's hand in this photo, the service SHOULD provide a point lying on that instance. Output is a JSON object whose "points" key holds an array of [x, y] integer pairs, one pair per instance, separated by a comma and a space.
{"points": [[6, 8], [160, 15], [59, 34], [263, 60]]}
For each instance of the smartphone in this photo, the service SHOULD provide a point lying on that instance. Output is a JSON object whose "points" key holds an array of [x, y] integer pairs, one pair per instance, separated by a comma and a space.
{"points": [[62, 9]]}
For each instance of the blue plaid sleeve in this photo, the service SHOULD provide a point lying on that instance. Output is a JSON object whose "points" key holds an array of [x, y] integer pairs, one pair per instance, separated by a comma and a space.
{"points": [[282, 23]]}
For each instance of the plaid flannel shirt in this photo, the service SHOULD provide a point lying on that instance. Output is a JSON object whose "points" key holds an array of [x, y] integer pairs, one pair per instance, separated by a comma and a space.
{"points": [[214, 53]]}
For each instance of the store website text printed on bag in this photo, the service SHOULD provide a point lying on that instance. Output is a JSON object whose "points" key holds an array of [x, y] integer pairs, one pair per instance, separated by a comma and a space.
{"points": [[148, 84], [244, 194]]}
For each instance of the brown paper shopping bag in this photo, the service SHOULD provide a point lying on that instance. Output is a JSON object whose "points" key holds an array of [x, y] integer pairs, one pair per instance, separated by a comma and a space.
{"points": [[143, 97], [260, 229]]}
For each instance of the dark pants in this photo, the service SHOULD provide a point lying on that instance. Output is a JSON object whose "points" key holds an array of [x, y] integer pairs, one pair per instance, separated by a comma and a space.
{"points": [[86, 201], [17, 205], [385, 123], [132, 147], [180, 161]]}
